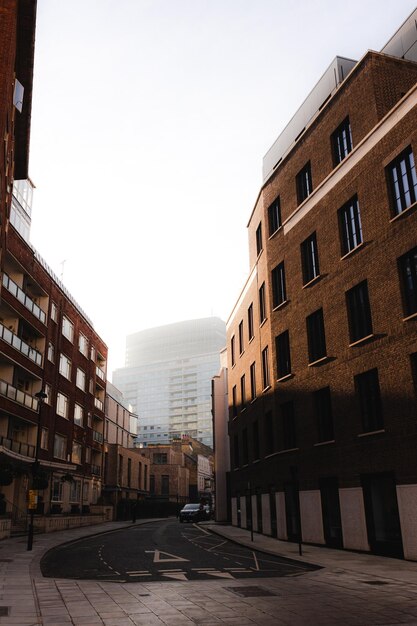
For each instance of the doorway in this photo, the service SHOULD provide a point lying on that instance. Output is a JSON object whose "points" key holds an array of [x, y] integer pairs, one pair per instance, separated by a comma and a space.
{"points": [[330, 506], [382, 517]]}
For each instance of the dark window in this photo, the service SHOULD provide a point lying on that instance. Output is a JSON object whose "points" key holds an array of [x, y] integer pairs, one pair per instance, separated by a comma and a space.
{"points": [[341, 141], [236, 451], [265, 368], [242, 392], [359, 312], [255, 440], [282, 344], [323, 410], [403, 181], [304, 183], [250, 321], [232, 350], [129, 472], [241, 344], [245, 450], [269, 433], [234, 401], [160, 458], [413, 360], [310, 259], [278, 285], [350, 225], [408, 275], [315, 336], [259, 239], [152, 483], [274, 216], [262, 307], [252, 382], [165, 485], [369, 395], [289, 438]]}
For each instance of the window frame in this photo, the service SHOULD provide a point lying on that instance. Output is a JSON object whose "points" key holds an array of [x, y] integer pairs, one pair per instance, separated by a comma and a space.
{"points": [[274, 216], [359, 315], [407, 269], [262, 304], [279, 289], [252, 372], [316, 336], [283, 354], [67, 328], [397, 191], [62, 401], [65, 366], [350, 226], [304, 183], [341, 140], [241, 338], [60, 446], [250, 322], [258, 236], [370, 404], [310, 259], [322, 403], [266, 377]]}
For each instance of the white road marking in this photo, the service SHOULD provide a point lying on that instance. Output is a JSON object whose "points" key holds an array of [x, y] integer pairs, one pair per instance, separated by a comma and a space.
{"points": [[176, 576], [217, 546], [256, 562], [157, 557]]}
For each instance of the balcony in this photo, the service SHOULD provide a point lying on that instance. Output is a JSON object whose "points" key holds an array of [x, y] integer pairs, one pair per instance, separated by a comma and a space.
{"points": [[100, 373], [25, 449], [17, 343], [96, 470], [98, 404], [16, 291], [97, 436], [25, 399]]}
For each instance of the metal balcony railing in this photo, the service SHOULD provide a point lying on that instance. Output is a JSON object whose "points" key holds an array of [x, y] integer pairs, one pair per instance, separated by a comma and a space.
{"points": [[17, 395], [98, 404], [25, 449], [97, 436], [17, 343], [96, 470], [100, 373], [16, 291]]}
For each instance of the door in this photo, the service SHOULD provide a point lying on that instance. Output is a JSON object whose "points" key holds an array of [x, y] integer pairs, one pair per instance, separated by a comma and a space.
{"points": [[273, 512], [292, 511], [330, 506], [382, 517]]}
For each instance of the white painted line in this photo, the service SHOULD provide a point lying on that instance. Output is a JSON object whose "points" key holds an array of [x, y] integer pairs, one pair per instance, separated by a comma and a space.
{"points": [[137, 571], [217, 546], [158, 559], [256, 562]]}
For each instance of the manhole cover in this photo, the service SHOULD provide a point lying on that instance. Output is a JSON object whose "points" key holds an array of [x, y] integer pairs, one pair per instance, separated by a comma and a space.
{"points": [[251, 592], [375, 582], [4, 611]]}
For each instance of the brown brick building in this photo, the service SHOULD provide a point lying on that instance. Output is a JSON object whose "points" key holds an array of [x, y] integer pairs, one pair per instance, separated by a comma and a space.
{"points": [[322, 343]]}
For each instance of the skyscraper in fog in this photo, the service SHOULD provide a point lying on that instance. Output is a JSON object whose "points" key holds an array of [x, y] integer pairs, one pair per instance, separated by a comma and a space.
{"points": [[167, 378]]}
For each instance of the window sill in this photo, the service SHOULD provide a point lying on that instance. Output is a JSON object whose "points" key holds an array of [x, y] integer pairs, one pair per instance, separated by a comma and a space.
{"points": [[243, 409], [324, 443], [372, 432], [270, 455], [263, 322], [413, 316], [254, 400], [255, 461], [281, 306], [284, 378], [362, 340], [312, 281], [320, 361], [288, 450], [251, 338], [275, 232], [351, 252], [406, 211], [266, 388]]}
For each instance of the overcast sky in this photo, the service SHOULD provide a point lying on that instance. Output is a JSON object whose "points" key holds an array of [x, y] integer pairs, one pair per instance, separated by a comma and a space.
{"points": [[150, 120]]}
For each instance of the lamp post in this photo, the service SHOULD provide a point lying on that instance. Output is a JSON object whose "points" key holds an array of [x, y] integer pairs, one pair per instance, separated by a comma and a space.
{"points": [[41, 396]]}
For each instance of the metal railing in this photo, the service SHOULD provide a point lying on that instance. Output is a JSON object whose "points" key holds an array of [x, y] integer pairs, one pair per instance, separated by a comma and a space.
{"points": [[97, 436], [7, 390], [25, 449], [16, 291], [17, 343]]}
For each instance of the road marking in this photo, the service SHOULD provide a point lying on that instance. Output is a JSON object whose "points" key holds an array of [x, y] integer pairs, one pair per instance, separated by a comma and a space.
{"points": [[203, 569], [218, 574], [170, 570], [137, 571], [256, 562], [202, 529], [137, 575], [217, 546], [176, 576], [157, 556]]}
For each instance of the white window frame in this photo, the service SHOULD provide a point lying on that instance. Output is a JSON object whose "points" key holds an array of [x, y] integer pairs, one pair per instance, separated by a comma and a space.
{"points": [[77, 452], [54, 312], [59, 484], [65, 366], [80, 373], [51, 352], [68, 328], [60, 447], [62, 405], [83, 344]]}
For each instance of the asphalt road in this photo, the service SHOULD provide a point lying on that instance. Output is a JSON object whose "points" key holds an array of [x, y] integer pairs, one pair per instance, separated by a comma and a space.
{"points": [[163, 551]]}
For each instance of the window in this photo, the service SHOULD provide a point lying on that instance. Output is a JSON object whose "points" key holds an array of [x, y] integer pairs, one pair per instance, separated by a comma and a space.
{"points": [[402, 181], [315, 336], [241, 342], [250, 322], [67, 329], [56, 492], [129, 472], [408, 275], [324, 417], [269, 433], [65, 366], [262, 307], [165, 484], [88, 454], [304, 183], [282, 344], [44, 439], [255, 440], [54, 312], [236, 451], [341, 142], [252, 382], [265, 368], [232, 350], [83, 344], [278, 285], [76, 452], [80, 379], [310, 259], [234, 401], [259, 239], [359, 312], [242, 393], [78, 415], [274, 216], [48, 391], [369, 395], [92, 353], [350, 225], [75, 491], [51, 353], [62, 405], [289, 438], [60, 447], [160, 458], [245, 448]]}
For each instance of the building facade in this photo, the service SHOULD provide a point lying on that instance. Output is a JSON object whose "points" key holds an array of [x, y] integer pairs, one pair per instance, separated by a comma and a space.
{"points": [[221, 447], [168, 375], [322, 343]]}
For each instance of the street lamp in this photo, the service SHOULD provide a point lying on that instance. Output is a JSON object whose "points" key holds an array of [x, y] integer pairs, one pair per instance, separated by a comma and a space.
{"points": [[41, 396]]}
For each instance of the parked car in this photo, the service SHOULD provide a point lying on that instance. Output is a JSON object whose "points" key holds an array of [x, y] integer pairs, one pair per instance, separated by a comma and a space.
{"points": [[192, 513]]}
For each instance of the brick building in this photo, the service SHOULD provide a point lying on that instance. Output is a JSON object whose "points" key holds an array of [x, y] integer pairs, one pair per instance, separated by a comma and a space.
{"points": [[322, 343], [169, 476], [47, 343]]}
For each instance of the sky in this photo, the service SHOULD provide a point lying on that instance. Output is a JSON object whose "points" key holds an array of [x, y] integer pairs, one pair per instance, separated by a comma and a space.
{"points": [[150, 119]]}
